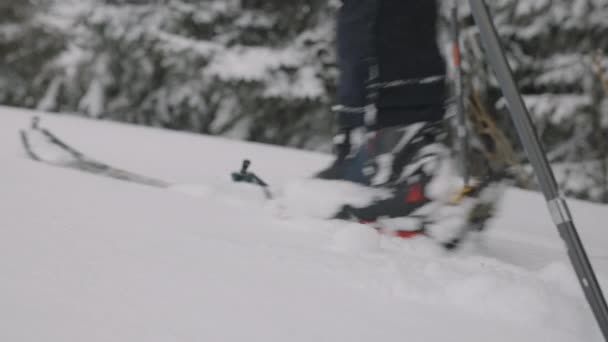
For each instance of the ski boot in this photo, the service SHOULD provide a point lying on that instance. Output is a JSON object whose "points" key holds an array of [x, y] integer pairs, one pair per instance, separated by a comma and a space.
{"points": [[347, 166], [427, 195]]}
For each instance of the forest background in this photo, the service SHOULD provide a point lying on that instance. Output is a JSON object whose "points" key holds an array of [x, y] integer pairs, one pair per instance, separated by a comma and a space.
{"points": [[265, 71]]}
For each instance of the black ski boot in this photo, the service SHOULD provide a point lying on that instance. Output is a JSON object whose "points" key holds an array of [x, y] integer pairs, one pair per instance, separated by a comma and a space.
{"points": [[427, 195], [347, 166]]}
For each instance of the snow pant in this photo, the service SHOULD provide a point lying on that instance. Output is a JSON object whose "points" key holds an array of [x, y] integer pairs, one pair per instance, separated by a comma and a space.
{"points": [[391, 70]]}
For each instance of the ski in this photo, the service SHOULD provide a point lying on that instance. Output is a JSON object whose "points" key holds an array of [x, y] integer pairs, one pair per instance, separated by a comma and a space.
{"points": [[66, 156]]}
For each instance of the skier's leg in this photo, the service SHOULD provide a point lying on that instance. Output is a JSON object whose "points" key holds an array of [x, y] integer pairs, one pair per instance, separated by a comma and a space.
{"points": [[396, 39], [409, 90], [406, 149], [411, 84], [355, 50]]}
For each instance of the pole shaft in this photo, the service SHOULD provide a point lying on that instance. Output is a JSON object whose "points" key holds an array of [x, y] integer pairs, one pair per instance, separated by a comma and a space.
{"points": [[461, 126]]}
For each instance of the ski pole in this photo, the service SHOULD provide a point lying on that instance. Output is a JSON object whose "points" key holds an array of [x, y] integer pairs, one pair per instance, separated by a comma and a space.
{"points": [[461, 126], [556, 203]]}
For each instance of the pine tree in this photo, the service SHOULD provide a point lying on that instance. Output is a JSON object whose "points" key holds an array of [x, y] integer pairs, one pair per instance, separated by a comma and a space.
{"points": [[265, 70], [28, 41], [551, 47], [257, 70]]}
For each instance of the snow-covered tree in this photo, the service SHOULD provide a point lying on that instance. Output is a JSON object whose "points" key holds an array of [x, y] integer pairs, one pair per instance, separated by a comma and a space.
{"points": [[265, 70], [552, 46], [257, 70], [28, 40]]}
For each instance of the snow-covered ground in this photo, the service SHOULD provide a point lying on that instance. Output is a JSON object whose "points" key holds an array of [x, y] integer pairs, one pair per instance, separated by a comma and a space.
{"points": [[86, 258]]}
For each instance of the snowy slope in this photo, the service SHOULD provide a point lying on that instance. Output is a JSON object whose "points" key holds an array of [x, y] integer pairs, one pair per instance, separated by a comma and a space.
{"points": [[85, 258]]}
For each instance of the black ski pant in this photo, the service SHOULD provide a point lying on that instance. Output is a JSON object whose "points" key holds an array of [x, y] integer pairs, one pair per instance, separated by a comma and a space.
{"points": [[391, 70]]}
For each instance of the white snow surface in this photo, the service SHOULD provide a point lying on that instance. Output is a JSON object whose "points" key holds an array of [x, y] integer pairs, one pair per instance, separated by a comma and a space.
{"points": [[87, 258]]}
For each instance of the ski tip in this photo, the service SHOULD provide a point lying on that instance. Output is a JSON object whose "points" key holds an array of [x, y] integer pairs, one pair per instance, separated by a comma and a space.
{"points": [[26, 145]]}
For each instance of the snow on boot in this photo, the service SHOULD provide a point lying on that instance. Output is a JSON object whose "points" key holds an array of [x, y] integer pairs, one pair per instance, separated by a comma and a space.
{"points": [[366, 157], [427, 194]]}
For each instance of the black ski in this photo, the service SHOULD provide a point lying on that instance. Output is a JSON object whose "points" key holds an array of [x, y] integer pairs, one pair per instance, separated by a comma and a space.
{"points": [[79, 161]]}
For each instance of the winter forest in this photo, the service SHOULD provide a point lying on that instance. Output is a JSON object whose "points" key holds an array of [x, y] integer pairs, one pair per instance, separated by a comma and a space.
{"points": [[265, 70]]}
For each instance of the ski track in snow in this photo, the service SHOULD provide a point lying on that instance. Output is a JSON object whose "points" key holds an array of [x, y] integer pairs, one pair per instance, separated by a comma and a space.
{"points": [[88, 258]]}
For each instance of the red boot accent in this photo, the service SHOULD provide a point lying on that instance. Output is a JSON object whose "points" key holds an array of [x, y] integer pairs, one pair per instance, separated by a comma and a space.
{"points": [[415, 194], [407, 234]]}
